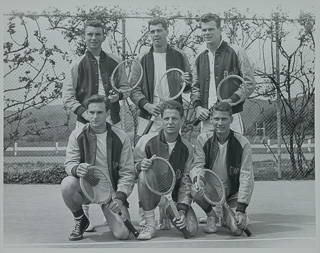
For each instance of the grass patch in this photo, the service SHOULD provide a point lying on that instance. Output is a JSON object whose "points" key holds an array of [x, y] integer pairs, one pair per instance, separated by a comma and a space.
{"points": [[43, 173]]}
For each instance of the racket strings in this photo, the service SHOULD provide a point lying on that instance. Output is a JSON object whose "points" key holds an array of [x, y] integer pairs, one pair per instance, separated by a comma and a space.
{"points": [[170, 85], [160, 178], [213, 188], [97, 186]]}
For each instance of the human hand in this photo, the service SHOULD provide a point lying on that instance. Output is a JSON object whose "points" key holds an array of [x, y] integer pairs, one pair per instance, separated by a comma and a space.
{"points": [[82, 169], [113, 96], [116, 205], [197, 189], [202, 113], [227, 100], [146, 163], [241, 219], [153, 109], [180, 223]]}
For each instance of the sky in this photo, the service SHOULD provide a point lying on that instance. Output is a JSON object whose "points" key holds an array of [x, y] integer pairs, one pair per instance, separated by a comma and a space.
{"points": [[260, 7]]}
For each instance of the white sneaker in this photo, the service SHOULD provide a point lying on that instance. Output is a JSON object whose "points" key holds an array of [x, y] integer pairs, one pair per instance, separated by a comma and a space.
{"points": [[211, 226], [147, 232], [165, 224], [90, 228]]}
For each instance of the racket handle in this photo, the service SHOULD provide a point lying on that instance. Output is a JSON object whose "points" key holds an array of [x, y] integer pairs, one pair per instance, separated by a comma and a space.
{"points": [[149, 125], [247, 231], [129, 225], [196, 122], [185, 233]]}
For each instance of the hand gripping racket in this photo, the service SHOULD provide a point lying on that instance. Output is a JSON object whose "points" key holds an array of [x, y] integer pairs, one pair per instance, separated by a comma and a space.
{"points": [[160, 179], [96, 186], [122, 73], [214, 192], [227, 87], [170, 86]]}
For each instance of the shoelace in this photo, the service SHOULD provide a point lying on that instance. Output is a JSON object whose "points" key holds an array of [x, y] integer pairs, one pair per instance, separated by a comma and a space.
{"points": [[77, 225], [145, 228]]}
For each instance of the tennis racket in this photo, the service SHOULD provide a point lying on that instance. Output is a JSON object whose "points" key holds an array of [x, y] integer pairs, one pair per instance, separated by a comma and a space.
{"points": [[227, 87], [214, 192], [123, 72], [160, 179], [170, 86], [96, 186]]}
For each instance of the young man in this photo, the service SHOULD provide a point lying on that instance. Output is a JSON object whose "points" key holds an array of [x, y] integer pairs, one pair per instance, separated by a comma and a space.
{"points": [[169, 145], [89, 75], [219, 59], [229, 155], [155, 63], [100, 144]]}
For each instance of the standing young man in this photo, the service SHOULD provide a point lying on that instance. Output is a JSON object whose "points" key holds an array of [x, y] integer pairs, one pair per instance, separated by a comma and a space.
{"points": [[167, 144], [218, 60], [89, 75], [155, 63], [99, 144], [229, 155]]}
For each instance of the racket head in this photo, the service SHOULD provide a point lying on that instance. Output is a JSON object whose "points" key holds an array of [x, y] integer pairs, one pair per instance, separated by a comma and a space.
{"points": [[214, 192], [129, 69], [96, 186], [171, 85], [229, 85], [160, 178]]}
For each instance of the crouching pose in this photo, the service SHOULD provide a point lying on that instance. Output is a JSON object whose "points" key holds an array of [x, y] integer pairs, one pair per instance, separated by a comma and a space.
{"points": [[169, 145], [229, 155], [100, 144]]}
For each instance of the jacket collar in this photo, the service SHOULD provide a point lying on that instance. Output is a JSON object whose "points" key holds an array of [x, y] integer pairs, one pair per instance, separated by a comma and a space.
{"points": [[162, 138], [168, 49]]}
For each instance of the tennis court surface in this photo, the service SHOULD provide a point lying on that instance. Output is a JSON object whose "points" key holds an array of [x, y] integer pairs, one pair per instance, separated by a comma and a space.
{"points": [[36, 217]]}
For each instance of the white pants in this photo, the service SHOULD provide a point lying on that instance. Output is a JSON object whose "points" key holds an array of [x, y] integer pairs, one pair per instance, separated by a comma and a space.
{"points": [[236, 125]]}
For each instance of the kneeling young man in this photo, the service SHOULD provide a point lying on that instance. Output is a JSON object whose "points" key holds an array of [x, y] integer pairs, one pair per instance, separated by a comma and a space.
{"points": [[167, 144], [229, 155], [100, 144]]}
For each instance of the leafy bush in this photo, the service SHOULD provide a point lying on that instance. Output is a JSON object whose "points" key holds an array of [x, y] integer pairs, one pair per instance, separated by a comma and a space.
{"points": [[52, 175]]}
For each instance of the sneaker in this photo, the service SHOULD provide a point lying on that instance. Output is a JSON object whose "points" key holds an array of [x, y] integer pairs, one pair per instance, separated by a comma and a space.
{"points": [[147, 232], [80, 225], [211, 226], [90, 228], [203, 220], [165, 224]]}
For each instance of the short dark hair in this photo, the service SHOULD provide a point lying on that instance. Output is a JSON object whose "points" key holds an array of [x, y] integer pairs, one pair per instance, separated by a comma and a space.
{"points": [[158, 20], [222, 106], [97, 99], [211, 17], [94, 23], [174, 105]]}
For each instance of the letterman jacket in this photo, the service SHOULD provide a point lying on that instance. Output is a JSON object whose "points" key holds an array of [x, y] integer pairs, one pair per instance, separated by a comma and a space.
{"points": [[180, 159], [239, 163], [82, 81], [143, 93], [230, 59], [82, 147]]}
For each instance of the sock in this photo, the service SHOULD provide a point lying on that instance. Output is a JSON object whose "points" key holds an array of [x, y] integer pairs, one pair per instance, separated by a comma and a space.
{"points": [[212, 213], [150, 218], [78, 214]]}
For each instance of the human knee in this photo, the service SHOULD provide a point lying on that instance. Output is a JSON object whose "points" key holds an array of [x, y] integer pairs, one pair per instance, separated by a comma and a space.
{"points": [[69, 184], [121, 234], [236, 231]]}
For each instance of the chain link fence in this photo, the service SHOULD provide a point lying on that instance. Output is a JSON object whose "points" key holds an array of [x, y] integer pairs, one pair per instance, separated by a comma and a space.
{"points": [[278, 118]]}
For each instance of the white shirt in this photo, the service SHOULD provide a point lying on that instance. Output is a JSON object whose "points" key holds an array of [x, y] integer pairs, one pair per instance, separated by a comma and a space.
{"points": [[160, 67], [212, 86], [220, 165], [101, 88], [171, 146]]}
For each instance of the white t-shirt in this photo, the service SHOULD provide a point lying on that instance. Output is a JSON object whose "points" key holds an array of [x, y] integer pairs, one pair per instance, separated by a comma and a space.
{"points": [[101, 88], [212, 86], [160, 67], [220, 166], [171, 146]]}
